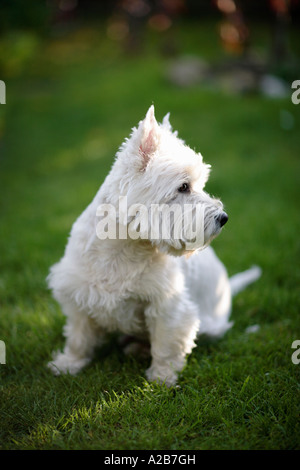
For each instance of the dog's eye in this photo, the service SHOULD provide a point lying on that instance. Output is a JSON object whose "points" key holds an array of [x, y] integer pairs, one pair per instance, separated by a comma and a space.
{"points": [[184, 188]]}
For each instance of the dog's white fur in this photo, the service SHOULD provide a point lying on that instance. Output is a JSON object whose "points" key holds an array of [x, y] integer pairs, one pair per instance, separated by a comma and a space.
{"points": [[144, 287]]}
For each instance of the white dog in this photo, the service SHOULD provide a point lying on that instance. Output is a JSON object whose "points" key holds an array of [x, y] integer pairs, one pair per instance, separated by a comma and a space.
{"points": [[134, 279]]}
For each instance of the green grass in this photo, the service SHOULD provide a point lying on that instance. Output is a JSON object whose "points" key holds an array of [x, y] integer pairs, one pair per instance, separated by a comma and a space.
{"points": [[66, 115]]}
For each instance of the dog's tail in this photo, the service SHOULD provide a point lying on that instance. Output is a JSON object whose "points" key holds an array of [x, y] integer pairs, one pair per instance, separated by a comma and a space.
{"points": [[239, 281]]}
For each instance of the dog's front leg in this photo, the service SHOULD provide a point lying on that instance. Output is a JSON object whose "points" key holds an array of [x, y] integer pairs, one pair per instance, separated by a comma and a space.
{"points": [[82, 336], [173, 328]]}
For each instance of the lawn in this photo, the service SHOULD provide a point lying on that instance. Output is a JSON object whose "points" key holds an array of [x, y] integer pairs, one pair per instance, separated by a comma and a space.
{"points": [[67, 112]]}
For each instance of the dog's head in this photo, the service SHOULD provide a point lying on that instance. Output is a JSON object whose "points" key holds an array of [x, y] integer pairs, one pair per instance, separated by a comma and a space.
{"points": [[163, 181]]}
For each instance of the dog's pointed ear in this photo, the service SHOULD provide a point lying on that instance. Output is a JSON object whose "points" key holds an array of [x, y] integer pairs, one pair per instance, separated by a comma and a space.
{"points": [[166, 122], [167, 125], [149, 136]]}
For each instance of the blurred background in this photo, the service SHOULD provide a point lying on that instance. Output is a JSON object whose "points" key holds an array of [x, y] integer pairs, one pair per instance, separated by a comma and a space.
{"points": [[171, 27]]}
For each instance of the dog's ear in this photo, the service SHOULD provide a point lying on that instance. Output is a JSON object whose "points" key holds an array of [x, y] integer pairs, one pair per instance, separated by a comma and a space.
{"points": [[166, 122], [149, 137], [167, 125]]}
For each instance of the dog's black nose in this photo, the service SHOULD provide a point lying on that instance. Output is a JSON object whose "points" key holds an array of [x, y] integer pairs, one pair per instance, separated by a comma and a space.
{"points": [[223, 218]]}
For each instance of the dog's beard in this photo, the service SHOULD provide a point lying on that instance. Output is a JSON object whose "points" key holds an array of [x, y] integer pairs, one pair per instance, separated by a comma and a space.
{"points": [[189, 230], [199, 227]]}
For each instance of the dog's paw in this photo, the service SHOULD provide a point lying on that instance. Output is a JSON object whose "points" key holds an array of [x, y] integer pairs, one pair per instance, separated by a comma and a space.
{"points": [[161, 375], [64, 363]]}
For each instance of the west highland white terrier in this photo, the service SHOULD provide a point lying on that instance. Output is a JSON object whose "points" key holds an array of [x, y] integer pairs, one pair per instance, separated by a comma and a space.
{"points": [[127, 267]]}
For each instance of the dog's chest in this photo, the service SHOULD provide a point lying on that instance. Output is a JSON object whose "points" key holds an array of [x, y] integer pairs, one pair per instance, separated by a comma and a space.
{"points": [[125, 280], [127, 317]]}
